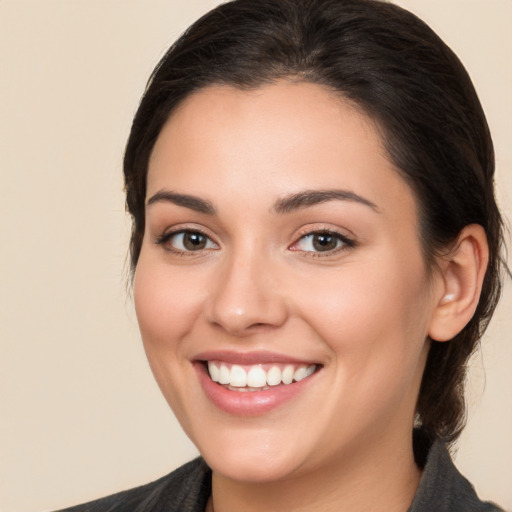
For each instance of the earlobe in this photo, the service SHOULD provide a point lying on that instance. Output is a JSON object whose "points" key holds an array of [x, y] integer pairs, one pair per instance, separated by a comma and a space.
{"points": [[462, 274]]}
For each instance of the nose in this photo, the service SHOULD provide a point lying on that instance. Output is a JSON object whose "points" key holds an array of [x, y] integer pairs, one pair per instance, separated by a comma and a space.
{"points": [[246, 296]]}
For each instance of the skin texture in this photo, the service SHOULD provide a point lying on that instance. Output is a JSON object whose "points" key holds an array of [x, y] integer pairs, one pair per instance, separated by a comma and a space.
{"points": [[361, 311]]}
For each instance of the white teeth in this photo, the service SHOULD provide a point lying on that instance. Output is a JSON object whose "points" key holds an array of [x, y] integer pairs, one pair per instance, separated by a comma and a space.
{"points": [[303, 372], [287, 377], [310, 370], [256, 378], [299, 374], [224, 374], [237, 377], [274, 376], [214, 371]]}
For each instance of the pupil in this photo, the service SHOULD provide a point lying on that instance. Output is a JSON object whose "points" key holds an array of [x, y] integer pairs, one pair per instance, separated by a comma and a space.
{"points": [[194, 241], [324, 242]]}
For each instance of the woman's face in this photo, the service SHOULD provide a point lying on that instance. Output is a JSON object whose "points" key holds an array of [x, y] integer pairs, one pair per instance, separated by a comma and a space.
{"points": [[280, 241]]}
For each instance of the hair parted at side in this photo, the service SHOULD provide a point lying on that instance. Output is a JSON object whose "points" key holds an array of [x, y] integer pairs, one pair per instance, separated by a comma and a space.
{"points": [[397, 70]]}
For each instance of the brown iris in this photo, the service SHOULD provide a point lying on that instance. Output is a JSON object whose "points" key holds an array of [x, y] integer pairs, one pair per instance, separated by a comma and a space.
{"points": [[324, 242], [194, 241]]}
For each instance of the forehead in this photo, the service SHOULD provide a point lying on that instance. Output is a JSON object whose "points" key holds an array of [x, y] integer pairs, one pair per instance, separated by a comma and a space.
{"points": [[280, 116], [272, 141]]}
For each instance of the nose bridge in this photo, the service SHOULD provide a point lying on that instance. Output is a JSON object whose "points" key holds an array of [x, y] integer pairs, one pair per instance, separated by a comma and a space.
{"points": [[246, 292]]}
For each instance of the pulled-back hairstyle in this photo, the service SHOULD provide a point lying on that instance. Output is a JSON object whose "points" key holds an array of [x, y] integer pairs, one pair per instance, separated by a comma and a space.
{"points": [[394, 68]]}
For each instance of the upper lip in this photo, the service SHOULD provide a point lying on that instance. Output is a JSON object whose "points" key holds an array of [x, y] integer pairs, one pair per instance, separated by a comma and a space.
{"points": [[248, 358]]}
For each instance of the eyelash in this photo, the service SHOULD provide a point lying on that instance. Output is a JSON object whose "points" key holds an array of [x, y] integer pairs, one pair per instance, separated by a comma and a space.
{"points": [[346, 242], [165, 239]]}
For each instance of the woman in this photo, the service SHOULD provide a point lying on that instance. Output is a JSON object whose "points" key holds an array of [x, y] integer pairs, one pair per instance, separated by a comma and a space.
{"points": [[316, 253]]}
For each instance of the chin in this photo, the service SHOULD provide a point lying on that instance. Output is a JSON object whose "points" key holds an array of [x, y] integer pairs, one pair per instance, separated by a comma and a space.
{"points": [[250, 456], [255, 469]]}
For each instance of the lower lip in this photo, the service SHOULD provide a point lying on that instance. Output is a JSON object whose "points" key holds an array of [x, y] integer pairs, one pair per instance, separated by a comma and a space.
{"points": [[249, 403]]}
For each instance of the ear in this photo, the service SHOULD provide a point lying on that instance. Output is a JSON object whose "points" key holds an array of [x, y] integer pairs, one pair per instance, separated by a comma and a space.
{"points": [[462, 272]]}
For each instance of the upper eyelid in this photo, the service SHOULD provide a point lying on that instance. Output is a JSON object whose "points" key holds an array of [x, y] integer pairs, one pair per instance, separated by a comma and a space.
{"points": [[174, 230], [348, 241], [324, 232], [166, 235], [335, 234], [322, 228], [345, 235]]}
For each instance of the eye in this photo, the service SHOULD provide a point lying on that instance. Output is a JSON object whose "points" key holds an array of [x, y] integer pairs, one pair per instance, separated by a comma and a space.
{"points": [[187, 241], [322, 241]]}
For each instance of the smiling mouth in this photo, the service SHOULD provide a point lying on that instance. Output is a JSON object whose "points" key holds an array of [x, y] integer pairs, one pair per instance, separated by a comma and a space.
{"points": [[257, 377]]}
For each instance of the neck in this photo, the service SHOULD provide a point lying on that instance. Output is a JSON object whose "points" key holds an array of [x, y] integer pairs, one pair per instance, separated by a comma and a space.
{"points": [[379, 480]]}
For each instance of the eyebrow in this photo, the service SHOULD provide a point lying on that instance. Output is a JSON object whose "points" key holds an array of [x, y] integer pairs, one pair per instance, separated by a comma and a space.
{"points": [[309, 198], [192, 202], [288, 204]]}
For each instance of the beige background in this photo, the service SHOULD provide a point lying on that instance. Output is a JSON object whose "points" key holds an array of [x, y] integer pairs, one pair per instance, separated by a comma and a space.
{"points": [[80, 416]]}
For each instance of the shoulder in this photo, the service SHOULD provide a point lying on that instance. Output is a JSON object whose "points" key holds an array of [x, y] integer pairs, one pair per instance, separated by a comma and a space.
{"points": [[443, 489], [185, 490]]}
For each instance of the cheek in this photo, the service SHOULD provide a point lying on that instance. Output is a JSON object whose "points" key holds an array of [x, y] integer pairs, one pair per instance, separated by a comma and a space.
{"points": [[166, 303], [369, 314]]}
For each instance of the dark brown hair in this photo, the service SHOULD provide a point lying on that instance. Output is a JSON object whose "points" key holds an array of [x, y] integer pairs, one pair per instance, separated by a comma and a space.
{"points": [[399, 72]]}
